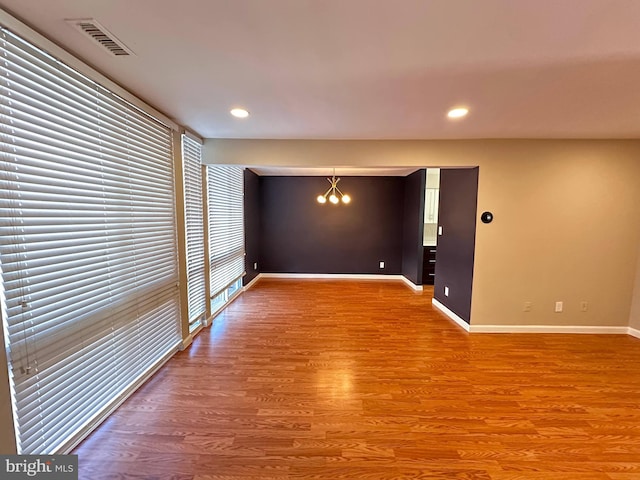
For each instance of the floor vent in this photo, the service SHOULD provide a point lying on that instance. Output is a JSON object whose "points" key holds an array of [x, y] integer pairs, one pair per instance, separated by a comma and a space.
{"points": [[101, 36]]}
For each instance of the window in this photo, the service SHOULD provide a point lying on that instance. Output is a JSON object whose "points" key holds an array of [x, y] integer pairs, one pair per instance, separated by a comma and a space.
{"points": [[194, 216], [225, 187], [220, 301], [87, 246]]}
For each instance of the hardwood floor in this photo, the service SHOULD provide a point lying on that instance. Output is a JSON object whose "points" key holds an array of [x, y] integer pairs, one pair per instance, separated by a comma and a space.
{"points": [[334, 380]]}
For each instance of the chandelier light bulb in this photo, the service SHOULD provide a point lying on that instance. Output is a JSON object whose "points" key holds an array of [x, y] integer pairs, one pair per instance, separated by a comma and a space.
{"points": [[333, 193]]}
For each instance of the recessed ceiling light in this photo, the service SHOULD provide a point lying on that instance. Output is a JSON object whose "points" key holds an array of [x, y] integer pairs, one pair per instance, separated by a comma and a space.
{"points": [[239, 112], [457, 112]]}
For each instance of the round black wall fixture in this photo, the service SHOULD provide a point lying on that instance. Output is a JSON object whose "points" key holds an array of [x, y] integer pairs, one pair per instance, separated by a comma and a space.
{"points": [[486, 217]]}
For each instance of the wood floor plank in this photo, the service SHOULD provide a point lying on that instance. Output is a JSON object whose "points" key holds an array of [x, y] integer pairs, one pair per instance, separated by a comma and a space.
{"points": [[301, 380]]}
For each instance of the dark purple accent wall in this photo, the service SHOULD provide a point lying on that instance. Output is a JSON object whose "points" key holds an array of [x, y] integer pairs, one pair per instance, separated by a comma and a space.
{"points": [[251, 225], [456, 246], [413, 226], [298, 235]]}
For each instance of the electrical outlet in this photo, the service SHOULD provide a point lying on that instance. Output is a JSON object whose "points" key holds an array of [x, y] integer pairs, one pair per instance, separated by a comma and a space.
{"points": [[559, 306], [446, 291], [584, 306], [381, 264], [526, 307], [255, 265]]}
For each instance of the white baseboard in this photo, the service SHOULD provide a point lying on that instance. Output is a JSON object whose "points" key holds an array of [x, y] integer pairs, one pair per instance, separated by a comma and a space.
{"points": [[333, 276], [186, 342], [548, 329], [252, 282], [341, 276], [417, 288], [534, 328], [450, 314]]}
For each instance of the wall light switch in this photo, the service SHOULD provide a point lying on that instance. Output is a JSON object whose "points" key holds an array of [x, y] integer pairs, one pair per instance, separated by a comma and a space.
{"points": [[381, 264], [439, 230]]}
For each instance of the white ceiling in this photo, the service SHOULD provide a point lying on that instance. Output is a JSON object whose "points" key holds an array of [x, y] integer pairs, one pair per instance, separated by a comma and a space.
{"points": [[370, 69]]}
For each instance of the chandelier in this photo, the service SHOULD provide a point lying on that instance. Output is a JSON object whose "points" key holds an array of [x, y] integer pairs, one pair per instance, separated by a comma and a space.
{"points": [[333, 194]]}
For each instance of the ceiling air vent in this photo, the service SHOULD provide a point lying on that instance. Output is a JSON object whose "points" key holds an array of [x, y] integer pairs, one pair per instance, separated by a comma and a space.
{"points": [[100, 35]]}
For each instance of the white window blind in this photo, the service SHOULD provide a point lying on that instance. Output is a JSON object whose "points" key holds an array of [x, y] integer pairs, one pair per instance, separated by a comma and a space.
{"points": [[87, 245], [194, 214], [225, 194]]}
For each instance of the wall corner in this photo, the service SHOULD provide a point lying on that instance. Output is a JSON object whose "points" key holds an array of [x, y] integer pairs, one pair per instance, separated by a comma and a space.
{"points": [[634, 315]]}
